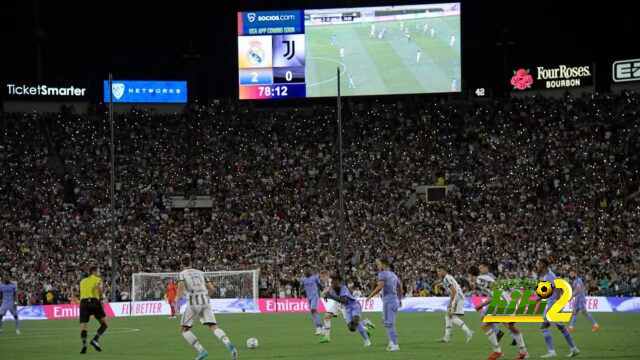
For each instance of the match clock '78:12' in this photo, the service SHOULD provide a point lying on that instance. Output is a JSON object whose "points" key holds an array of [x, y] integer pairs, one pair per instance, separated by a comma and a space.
{"points": [[273, 91]]}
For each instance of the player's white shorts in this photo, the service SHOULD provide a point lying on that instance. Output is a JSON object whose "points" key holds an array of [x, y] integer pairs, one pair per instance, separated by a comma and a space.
{"points": [[457, 306], [198, 312], [335, 307]]}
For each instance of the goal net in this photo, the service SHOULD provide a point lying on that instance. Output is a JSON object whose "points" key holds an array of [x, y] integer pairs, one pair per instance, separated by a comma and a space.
{"points": [[232, 290]]}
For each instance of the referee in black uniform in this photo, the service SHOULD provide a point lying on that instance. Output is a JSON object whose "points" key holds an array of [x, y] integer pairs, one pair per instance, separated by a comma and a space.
{"points": [[90, 295]]}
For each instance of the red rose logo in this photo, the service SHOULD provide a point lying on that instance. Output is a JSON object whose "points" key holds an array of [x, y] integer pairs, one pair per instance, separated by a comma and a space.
{"points": [[521, 79]]}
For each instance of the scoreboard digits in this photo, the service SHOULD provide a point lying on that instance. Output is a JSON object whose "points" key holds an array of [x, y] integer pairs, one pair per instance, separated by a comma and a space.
{"points": [[271, 54]]}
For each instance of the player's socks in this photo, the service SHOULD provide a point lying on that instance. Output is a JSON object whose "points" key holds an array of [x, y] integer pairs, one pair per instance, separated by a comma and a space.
{"points": [[499, 334], [327, 329], [392, 334], [447, 327], [363, 332], [17, 323], [495, 328], [101, 330], [193, 340], [83, 350], [222, 336], [547, 339], [588, 316], [493, 340], [463, 326], [520, 341], [316, 319], [83, 336], [568, 338], [572, 321]]}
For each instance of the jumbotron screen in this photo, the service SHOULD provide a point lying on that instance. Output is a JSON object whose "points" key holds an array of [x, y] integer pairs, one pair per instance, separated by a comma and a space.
{"points": [[379, 50]]}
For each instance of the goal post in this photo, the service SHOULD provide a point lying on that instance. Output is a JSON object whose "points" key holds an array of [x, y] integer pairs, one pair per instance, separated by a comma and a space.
{"points": [[231, 289]]}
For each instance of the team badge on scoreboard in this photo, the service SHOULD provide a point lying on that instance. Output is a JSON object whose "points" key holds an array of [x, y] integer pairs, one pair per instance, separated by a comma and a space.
{"points": [[254, 52], [288, 50]]}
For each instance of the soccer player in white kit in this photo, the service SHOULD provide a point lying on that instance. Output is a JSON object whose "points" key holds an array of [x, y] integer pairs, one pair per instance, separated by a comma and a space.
{"points": [[352, 85], [483, 279], [453, 40], [373, 31], [455, 309], [342, 52], [418, 57], [196, 288]]}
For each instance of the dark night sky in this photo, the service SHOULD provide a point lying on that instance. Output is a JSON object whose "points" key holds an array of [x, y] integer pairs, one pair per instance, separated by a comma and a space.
{"points": [[144, 40]]}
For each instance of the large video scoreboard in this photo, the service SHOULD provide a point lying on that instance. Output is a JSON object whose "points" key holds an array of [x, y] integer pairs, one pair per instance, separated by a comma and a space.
{"points": [[378, 50], [271, 57]]}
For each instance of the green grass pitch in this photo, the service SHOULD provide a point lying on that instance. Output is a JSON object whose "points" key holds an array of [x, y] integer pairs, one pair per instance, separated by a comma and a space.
{"points": [[290, 336], [383, 66]]}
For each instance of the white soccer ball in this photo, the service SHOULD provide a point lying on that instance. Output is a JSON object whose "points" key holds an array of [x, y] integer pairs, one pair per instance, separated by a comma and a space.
{"points": [[252, 343]]}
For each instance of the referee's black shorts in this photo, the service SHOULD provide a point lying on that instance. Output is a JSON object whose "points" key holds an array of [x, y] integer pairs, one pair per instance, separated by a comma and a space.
{"points": [[90, 307]]}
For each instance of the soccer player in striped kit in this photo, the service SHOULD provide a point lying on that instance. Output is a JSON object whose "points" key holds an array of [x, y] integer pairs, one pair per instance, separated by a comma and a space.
{"points": [[455, 309], [193, 284], [483, 281]]}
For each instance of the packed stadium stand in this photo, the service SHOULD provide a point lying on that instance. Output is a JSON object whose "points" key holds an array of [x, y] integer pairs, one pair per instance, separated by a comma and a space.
{"points": [[526, 177]]}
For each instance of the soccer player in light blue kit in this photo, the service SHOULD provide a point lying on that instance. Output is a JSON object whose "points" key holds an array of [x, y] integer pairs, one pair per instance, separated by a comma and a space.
{"points": [[548, 275], [352, 309], [311, 282], [9, 291], [580, 302], [392, 292]]}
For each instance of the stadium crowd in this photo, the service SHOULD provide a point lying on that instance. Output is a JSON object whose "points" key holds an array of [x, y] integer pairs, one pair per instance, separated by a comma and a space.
{"points": [[527, 178]]}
